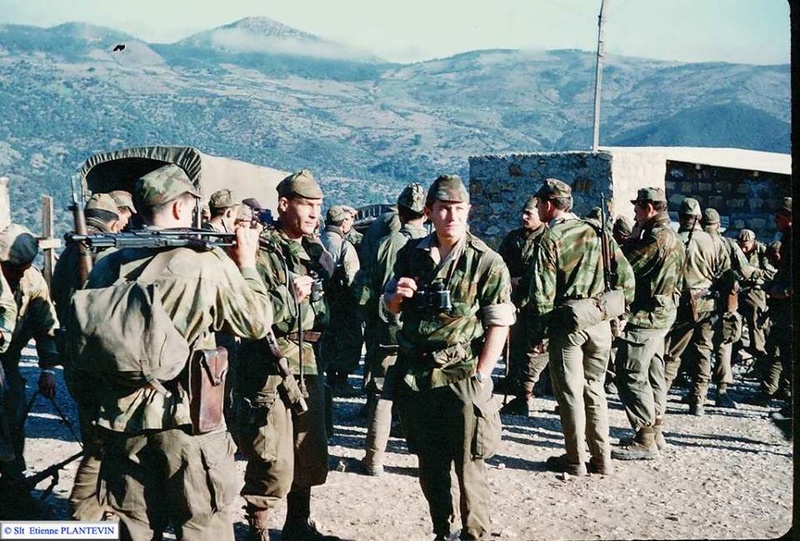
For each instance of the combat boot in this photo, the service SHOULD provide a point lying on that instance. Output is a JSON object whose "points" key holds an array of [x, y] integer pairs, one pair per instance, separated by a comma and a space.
{"points": [[641, 447], [561, 464], [696, 409], [258, 519], [520, 405], [658, 434], [724, 401], [601, 466]]}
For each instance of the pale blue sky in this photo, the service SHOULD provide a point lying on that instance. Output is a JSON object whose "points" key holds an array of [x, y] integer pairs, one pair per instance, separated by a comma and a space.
{"points": [[743, 31]]}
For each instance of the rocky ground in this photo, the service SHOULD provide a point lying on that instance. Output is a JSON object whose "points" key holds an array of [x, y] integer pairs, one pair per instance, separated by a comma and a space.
{"points": [[727, 475]]}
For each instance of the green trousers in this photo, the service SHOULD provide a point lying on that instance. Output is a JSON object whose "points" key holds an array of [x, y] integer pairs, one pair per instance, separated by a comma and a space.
{"points": [[577, 370], [171, 477], [640, 375], [695, 341]]}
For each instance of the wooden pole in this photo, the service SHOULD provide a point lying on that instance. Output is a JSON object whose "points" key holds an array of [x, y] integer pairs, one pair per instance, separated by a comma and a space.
{"points": [[48, 243]]}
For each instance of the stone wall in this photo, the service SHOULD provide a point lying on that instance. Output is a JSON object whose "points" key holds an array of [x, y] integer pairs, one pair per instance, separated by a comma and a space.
{"points": [[744, 199]]}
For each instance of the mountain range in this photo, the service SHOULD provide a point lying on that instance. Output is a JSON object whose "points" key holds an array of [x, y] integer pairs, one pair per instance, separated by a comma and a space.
{"points": [[263, 92]]}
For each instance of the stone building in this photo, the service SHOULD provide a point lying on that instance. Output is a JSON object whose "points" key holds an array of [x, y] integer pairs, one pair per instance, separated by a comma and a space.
{"points": [[743, 185]]}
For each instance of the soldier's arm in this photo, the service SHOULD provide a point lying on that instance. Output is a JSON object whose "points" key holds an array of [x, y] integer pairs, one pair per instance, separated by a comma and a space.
{"points": [[543, 285], [625, 277], [8, 314], [497, 314]]}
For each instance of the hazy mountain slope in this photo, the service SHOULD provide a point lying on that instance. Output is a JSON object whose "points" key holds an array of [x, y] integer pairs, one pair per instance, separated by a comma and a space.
{"points": [[279, 97]]}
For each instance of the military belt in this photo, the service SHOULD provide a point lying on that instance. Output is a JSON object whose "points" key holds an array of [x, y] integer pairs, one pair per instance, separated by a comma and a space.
{"points": [[308, 336]]}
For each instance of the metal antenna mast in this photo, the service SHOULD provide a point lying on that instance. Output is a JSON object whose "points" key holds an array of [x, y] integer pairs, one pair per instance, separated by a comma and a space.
{"points": [[598, 77]]}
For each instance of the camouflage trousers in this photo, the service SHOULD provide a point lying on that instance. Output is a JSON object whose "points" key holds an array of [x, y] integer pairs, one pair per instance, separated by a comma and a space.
{"points": [[170, 476], [284, 451], [577, 369], [640, 375], [525, 366], [455, 425]]}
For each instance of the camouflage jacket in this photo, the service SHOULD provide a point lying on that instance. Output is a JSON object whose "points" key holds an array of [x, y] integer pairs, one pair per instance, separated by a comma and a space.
{"points": [[8, 314], [36, 318], [203, 293], [517, 250], [440, 347], [705, 262], [656, 256], [569, 265], [355, 238], [277, 268], [782, 281]]}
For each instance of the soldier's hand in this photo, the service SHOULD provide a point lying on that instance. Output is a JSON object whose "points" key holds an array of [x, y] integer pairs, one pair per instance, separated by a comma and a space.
{"points": [[244, 252], [47, 384], [302, 287], [404, 289]]}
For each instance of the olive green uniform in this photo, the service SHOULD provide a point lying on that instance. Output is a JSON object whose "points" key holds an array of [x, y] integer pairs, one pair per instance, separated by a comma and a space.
{"points": [[692, 335], [449, 417], [517, 250], [8, 321], [753, 300], [284, 452], [36, 319], [154, 470]]}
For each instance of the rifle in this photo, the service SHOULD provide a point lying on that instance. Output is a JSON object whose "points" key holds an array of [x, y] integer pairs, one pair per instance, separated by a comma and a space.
{"points": [[79, 219], [31, 481], [293, 392], [198, 239], [609, 263]]}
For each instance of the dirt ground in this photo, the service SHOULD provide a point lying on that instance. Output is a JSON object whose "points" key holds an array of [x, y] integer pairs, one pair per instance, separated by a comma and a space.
{"points": [[727, 475]]}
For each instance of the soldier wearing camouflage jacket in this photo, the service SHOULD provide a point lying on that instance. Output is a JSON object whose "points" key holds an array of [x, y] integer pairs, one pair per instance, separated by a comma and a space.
{"points": [[568, 267], [447, 352], [155, 471], [287, 453], [656, 255]]}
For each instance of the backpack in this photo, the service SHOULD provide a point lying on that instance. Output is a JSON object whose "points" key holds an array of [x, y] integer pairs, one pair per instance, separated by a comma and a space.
{"points": [[123, 333]]}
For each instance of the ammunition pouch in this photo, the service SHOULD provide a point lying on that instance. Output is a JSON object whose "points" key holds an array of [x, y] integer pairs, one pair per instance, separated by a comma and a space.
{"points": [[731, 327], [207, 371]]}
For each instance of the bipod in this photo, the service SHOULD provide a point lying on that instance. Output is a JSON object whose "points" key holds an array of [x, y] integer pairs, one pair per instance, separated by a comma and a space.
{"points": [[64, 420]]}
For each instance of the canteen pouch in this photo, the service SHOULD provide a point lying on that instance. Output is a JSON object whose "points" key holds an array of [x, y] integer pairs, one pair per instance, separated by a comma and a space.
{"points": [[612, 303], [731, 327], [687, 308], [579, 314], [207, 371]]}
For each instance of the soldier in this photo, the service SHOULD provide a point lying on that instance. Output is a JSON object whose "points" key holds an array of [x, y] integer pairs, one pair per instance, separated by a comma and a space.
{"points": [[353, 236], [781, 335], [8, 320], [341, 346], [155, 470], [102, 216], [569, 266], [728, 329], [693, 332], [36, 319], [223, 210], [453, 297], [656, 255], [287, 454], [517, 250], [381, 386], [125, 208]]}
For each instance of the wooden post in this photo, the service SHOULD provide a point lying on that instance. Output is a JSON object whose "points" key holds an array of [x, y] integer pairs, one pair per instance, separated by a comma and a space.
{"points": [[5, 204], [48, 243]]}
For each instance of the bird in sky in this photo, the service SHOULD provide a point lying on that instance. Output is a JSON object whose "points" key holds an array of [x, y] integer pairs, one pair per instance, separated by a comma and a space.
{"points": [[119, 47]]}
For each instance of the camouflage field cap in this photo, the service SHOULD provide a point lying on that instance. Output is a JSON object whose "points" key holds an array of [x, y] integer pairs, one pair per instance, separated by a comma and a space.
{"points": [[746, 235], [17, 245], [301, 184], [553, 189], [353, 212], [222, 199], [337, 214], [786, 207], [412, 197], [123, 199], [163, 185], [651, 194], [689, 207], [530, 204], [447, 188], [622, 226], [710, 216], [103, 201]]}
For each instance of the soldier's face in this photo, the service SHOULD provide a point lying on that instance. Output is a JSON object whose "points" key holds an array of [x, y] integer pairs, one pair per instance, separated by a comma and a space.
{"points": [[299, 216], [643, 211], [783, 222], [545, 210], [449, 219], [530, 219]]}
